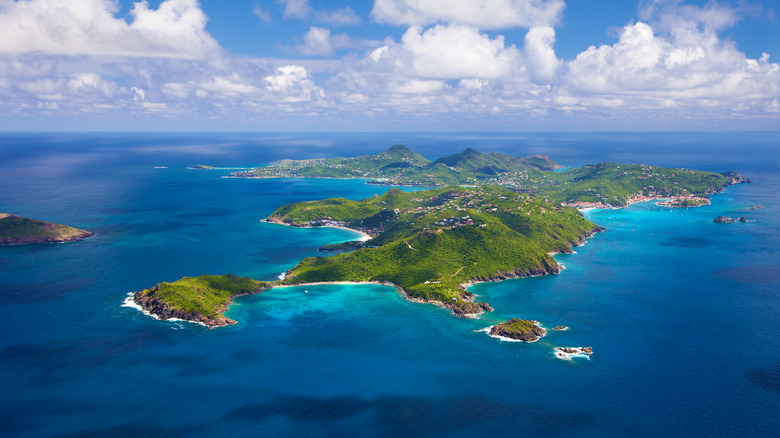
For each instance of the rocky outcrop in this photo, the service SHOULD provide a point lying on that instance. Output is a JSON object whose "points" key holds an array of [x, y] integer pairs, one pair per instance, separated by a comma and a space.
{"points": [[567, 353], [736, 178], [723, 220], [201, 299], [519, 329], [467, 309], [162, 310], [560, 328]]}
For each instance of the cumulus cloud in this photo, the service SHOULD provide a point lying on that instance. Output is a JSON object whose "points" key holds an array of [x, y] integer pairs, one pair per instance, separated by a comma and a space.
{"points": [[688, 65], [292, 83], [176, 29], [485, 14], [317, 42], [543, 62], [448, 52], [673, 61]]}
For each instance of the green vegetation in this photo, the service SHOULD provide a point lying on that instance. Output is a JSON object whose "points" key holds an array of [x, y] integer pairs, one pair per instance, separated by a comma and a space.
{"points": [[686, 202], [497, 217], [601, 185], [200, 299], [17, 230], [344, 246], [399, 165], [429, 243], [616, 184], [520, 329]]}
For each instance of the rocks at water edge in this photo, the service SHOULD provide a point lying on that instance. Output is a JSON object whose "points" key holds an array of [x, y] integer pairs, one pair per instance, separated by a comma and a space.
{"points": [[520, 329], [728, 220], [567, 353]]}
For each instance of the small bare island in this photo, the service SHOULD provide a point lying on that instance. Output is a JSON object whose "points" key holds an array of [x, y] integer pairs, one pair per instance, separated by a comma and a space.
{"points": [[518, 330], [568, 353], [17, 230]]}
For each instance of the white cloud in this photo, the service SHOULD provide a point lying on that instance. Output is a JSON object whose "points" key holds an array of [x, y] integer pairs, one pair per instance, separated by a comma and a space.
{"points": [[292, 83], [88, 27], [296, 9], [316, 42], [674, 64], [339, 17], [683, 66], [539, 47], [322, 42], [261, 13], [417, 87], [301, 9], [448, 52], [484, 14], [672, 15]]}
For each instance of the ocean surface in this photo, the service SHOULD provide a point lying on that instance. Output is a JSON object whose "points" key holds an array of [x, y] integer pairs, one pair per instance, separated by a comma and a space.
{"points": [[683, 314]]}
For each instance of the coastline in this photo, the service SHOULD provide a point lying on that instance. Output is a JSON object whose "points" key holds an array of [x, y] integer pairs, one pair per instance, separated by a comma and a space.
{"points": [[364, 237]]}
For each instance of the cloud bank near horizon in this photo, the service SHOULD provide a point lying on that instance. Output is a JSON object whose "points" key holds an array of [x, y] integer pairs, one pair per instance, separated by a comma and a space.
{"points": [[77, 59]]}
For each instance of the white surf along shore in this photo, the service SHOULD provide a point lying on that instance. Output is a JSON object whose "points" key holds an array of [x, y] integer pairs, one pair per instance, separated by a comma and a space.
{"points": [[130, 302], [364, 237]]}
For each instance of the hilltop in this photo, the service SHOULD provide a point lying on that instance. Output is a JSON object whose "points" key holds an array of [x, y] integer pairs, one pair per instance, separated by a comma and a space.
{"points": [[17, 230], [399, 165]]}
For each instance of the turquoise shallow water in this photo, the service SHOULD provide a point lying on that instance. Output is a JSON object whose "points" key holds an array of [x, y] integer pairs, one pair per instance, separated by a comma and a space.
{"points": [[682, 314]]}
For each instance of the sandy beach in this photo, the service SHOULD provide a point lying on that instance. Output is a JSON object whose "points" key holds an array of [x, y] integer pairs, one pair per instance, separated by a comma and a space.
{"points": [[363, 235]]}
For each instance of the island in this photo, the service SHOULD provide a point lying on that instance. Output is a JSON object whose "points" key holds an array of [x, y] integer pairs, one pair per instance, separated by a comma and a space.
{"points": [[201, 167], [602, 185], [488, 217], [430, 244], [18, 230], [518, 329], [729, 220]]}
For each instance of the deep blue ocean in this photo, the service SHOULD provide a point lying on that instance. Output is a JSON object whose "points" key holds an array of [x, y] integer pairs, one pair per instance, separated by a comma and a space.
{"points": [[683, 314]]}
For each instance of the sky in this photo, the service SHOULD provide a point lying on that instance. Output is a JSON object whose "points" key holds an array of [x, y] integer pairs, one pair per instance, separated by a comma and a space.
{"points": [[389, 65]]}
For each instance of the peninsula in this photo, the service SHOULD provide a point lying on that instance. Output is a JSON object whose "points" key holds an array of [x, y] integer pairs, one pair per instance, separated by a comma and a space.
{"points": [[17, 230], [496, 217]]}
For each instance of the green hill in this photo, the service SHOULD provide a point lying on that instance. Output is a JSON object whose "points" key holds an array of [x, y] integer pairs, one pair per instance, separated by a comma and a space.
{"points": [[494, 163], [17, 230], [429, 243]]}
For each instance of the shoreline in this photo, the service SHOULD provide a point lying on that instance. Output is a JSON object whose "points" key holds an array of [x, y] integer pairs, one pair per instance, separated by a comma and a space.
{"points": [[487, 330], [129, 302], [364, 237]]}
